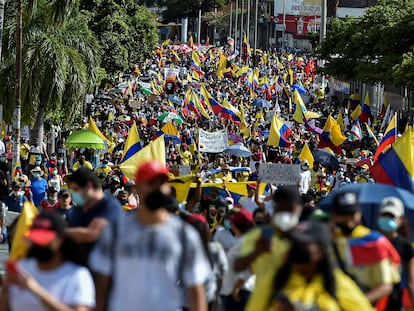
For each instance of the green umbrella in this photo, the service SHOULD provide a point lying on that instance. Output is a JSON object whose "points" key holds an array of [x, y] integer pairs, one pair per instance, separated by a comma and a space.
{"points": [[85, 139], [145, 91], [170, 116]]}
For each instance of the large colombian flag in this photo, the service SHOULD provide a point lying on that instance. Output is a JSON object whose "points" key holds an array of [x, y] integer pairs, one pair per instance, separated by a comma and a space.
{"points": [[279, 133], [396, 165], [389, 138]]}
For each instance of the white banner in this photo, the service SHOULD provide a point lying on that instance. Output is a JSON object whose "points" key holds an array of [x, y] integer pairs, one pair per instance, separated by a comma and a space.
{"points": [[276, 173], [169, 72], [212, 142]]}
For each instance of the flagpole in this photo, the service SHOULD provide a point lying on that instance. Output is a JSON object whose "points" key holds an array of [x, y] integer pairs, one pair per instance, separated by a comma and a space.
{"points": [[248, 20], [231, 18], [235, 24], [241, 31], [199, 27], [255, 28]]}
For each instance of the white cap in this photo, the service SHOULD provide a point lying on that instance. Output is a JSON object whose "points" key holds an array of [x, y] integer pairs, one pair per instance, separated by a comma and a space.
{"points": [[393, 206]]}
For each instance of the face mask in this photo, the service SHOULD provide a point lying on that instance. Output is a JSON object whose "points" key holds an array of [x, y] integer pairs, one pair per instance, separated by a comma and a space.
{"points": [[285, 221], [387, 224], [53, 158], [53, 199], [230, 206], [2, 159], [363, 171], [78, 199], [260, 223], [104, 165], [36, 175], [42, 254], [299, 254], [54, 172], [227, 223], [38, 162], [22, 185], [155, 200], [60, 161], [345, 229]]}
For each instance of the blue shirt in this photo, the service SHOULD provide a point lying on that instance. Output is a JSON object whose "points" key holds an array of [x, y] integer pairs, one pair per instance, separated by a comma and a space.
{"points": [[15, 204], [39, 188], [108, 208]]}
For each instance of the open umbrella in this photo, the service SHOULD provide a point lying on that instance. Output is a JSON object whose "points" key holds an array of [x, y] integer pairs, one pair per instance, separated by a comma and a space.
{"points": [[325, 158], [238, 150], [262, 103], [370, 197], [170, 116], [145, 91], [301, 89], [174, 99], [85, 139]]}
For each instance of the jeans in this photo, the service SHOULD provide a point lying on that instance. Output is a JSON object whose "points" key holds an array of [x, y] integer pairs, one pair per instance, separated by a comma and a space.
{"points": [[229, 304]]}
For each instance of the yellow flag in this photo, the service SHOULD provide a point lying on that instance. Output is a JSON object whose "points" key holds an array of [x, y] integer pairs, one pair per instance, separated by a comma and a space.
{"points": [[355, 114], [307, 155], [340, 120], [290, 71], [170, 129], [222, 66], [191, 41], [95, 129], [166, 42], [19, 245], [155, 150], [334, 130], [111, 116]]}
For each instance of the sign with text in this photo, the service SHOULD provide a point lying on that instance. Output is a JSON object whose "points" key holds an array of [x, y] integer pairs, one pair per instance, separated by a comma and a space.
{"points": [[170, 72], [277, 173], [213, 142], [184, 170]]}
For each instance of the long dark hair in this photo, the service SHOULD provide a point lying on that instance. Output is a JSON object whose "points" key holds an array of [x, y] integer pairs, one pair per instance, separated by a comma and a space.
{"points": [[325, 268]]}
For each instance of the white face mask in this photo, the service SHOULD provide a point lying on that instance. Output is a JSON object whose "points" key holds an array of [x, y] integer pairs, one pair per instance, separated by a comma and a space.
{"points": [[285, 221]]}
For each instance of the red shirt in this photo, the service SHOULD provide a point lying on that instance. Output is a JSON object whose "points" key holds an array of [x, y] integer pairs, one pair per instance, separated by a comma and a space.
{"points": [[45, 205]]}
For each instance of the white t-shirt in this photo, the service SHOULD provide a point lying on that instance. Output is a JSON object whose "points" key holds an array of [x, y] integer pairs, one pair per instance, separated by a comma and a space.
{"points": [[225, 238], [70, 284], [248, 204], [305, 180], [145, 262]]}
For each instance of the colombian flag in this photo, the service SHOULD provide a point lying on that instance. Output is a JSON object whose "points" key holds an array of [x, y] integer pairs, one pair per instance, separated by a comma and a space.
{"points": [[396, 165], [366, 110], [354, 101], [389, 137], [332, 132], [279, 133], [133, 143]]}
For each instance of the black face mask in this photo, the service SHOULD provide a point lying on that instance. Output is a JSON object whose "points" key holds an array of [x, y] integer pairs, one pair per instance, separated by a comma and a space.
{"points": [[155, 200], [345, 229], [260, 223], [299, 254], [42, 254]]}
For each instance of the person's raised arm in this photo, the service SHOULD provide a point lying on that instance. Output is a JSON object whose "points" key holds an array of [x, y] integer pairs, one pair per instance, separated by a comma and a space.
{"points": [[260, 203]]}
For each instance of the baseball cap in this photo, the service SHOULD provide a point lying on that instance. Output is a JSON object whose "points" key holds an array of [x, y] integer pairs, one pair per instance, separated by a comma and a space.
{"points": [[62, 193], [312, 232], [345, 203], [46, 226], [241, 217], [252, 186], [149, 170], [197, 217], [393, 206]]}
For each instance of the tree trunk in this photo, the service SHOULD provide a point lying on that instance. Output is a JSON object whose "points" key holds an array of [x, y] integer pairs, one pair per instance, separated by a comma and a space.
{"points": [[2, 5], [37, 132]]}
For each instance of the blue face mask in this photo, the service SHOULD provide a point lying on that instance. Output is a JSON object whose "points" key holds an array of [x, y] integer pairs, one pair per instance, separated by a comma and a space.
{"points": [[78, 199], [38, 162], [387, 224], [227, 224], [36, 175]]}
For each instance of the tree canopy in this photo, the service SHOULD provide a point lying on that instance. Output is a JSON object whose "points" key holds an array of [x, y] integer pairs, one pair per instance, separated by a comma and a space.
{"points": [[376, 47], [126, 31], [60, 61]]}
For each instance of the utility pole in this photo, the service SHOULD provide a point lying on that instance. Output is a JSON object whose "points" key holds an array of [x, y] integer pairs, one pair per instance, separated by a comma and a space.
{"points": [[255, 27], [18, 86], [231, 19], [248, 20], [236, 20], [241, 31], [199, 27], [322, 35]]}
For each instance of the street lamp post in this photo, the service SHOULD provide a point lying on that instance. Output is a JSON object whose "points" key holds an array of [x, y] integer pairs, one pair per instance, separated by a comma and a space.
{"points": [[236, 20], [231, 18], [18, 86], [241, 30], [255, 27]]}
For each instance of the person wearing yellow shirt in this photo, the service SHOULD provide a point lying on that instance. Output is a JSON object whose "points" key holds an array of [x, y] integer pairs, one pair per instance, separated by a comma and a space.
{"points": [[24, 154], [82, 162], [309, 281], [224, 175], [103, 172], [186, 156], [263, 249], [366, 255]]}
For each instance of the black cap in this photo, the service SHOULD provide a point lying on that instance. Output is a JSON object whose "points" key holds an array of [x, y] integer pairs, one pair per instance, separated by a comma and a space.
{"points": [[312, 232], [345, 203], [63, 192], [46, 226]]}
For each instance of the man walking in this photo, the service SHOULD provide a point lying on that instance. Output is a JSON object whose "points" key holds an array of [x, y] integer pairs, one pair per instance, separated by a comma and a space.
{"points": [[146, 260]]}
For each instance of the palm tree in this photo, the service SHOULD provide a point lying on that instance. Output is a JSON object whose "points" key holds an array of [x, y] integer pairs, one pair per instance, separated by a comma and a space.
{"points": [[61, 58]]}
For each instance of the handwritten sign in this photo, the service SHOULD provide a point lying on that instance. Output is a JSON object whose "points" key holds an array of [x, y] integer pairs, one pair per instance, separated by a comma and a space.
{"points": [[184, 170], [277, 173], [213, 142], [171, 72]]}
